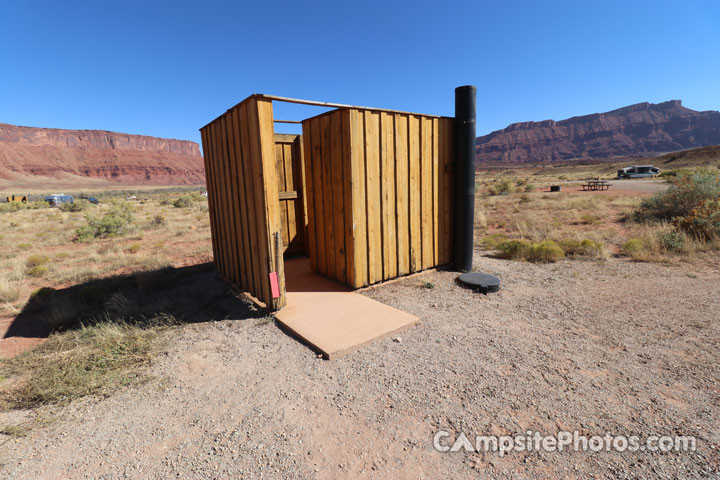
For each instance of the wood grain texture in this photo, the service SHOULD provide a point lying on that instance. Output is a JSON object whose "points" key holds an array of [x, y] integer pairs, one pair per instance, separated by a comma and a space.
{"points": [[246, 248], [388, 203], [348, 185], [386, 213], [374, 212], [243, 198], [310, 207], [435, 166], [402, 183], [271, 199], [415, 213], [328, 199], [317, 191], [358, 207], [252, 208], [338, 195], [290, 183], [240, 249], [367, 194], [426, 224], [301, 204], [210, 197]]}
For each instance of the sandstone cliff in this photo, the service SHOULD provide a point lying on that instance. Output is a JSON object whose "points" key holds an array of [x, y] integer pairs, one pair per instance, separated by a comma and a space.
{"points": [[644, 129], [119, 157]]}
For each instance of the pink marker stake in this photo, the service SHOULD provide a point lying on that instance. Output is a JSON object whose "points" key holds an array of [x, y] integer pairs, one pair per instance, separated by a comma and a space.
{"points": [[274, 285]]}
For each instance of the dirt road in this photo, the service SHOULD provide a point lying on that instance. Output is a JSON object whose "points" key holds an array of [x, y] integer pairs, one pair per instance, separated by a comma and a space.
{"points": [[619, 347]]}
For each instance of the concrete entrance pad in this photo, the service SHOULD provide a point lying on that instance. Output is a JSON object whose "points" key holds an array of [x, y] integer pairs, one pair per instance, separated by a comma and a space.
{"points": [[330, 316]]}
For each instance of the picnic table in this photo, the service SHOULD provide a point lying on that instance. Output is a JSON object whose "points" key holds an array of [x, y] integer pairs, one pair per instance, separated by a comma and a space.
{"points": [[596, 184]]}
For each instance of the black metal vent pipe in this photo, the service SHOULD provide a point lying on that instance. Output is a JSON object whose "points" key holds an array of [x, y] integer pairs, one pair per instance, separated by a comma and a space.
{"points": [[464, 170]]}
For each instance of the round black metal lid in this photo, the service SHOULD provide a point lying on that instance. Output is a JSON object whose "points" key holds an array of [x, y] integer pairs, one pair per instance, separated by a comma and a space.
{"points": [[481, 281]]}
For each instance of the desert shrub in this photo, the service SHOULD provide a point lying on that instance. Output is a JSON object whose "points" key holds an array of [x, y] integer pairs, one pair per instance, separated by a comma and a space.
{"points": [[634, 247], [546, 252], [587, 219], [502, 187], [529, 188], [24, 246], [684, 195], [183, 201], [37, 271], [197, 197], [15, 206], [157, 221], [581, 248], [655, 245], [10, 207], [542, 252], [117, 221], [165, 200], [134, 248], [35, 260], [36, 265], [671, 175], [78, 206], [675, 173], [515, 249], [692, 204], [673, 241], [703, 222], [493, 240]]}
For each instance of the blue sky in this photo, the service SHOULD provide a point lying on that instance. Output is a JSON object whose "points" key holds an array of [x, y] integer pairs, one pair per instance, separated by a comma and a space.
{"points": [[167, 68]]}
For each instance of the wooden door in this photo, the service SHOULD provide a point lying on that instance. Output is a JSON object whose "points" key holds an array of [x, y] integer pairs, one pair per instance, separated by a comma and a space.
{"points": [[293, 218]]}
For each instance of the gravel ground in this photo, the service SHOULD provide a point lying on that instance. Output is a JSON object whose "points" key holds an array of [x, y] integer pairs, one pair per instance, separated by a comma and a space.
{"points": [[620, 347], [640, 186]]}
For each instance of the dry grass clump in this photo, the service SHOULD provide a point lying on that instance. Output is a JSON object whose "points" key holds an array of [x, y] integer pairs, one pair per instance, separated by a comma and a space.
{"points": [[582, 248], [490, 242], [508, 186], [546, 251], [36, 265], [502, 187], [157, 221], [659, 244], [9, 290], [94, 359]]}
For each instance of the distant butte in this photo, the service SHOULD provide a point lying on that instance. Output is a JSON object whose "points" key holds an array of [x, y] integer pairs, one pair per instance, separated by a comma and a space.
{"points": [[640, 130], [117, 157]]}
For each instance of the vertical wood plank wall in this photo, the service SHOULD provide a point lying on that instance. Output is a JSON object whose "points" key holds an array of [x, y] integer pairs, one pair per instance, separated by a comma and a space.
{"points": [[379, 193], [326, 185], [243, 197], [291, 181]]}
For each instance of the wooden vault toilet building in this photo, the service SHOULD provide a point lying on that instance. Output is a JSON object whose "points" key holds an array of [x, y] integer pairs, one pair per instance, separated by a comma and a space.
{"points": [[365, 193]]}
